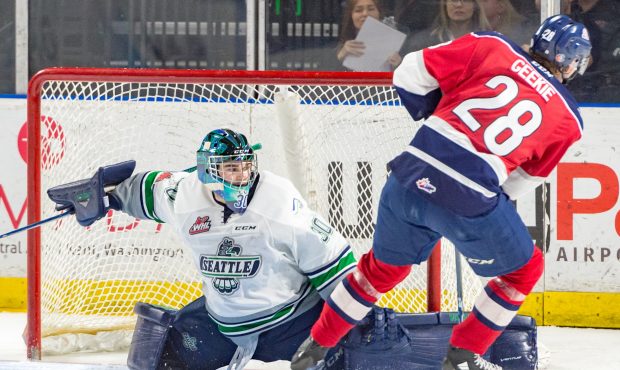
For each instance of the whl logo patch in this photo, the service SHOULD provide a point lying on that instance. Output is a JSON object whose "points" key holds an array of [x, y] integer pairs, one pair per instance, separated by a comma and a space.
{"points": [[424, 184], [201, 225], [229, 266]]}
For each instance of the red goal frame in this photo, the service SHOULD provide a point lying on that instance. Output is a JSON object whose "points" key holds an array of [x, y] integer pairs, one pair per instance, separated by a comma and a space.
{"points": [[33, 331]]}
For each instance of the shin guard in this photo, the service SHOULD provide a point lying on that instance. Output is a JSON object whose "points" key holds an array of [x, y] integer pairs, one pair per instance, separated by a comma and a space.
{"points": [[496, 306]]}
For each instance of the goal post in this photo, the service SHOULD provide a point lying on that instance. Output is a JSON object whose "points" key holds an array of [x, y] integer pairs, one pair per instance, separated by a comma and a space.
{"points": [[330, 133]]}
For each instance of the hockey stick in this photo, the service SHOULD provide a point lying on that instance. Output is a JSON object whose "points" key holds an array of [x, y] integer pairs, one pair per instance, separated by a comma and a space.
{"points": [[459, 284], [36, 224]]}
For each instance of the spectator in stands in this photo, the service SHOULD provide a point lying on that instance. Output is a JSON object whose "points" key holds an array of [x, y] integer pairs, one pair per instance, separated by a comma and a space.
{"points": [[602, 19], [504, 18], [415, 15], [355, 14], [455, 19]]}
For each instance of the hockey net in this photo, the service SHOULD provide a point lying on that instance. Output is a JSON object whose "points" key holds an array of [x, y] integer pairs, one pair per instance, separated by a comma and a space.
{"points": [[330, 133]]}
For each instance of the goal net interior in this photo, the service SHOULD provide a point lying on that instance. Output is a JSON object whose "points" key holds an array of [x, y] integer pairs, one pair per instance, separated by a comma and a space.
{"points": [[330, 134]]}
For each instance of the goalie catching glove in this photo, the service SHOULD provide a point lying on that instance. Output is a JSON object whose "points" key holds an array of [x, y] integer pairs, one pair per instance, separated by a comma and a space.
{"points": [[88, 198]]}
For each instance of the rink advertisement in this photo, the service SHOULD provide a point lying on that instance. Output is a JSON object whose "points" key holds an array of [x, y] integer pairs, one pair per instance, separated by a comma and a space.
{"points": [[575, 218], [584, 254], [13, 187], [13, 203], [582, 265]]}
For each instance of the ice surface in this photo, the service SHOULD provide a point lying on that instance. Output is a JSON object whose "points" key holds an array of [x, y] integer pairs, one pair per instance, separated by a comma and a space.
{"points": [[561, 349]]}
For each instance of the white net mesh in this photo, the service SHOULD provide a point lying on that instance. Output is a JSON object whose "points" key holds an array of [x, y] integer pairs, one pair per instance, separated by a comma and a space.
{"points": [[333, 142]]}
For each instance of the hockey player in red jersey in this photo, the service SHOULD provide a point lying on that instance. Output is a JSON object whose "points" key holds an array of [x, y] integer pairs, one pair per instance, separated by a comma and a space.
{"points": [[497, 122]]}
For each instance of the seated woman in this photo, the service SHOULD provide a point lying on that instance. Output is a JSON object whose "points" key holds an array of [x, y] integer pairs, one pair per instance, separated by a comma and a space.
{"points": [[456, 18], [355, 14]]}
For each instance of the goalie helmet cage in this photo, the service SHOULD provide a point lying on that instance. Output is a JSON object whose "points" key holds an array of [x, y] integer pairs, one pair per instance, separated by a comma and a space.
{"points": [[331, 133]]}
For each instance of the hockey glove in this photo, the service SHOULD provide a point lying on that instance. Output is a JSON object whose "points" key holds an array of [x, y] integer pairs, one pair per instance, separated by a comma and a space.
{"points": [[88, 198], [309, 355]]}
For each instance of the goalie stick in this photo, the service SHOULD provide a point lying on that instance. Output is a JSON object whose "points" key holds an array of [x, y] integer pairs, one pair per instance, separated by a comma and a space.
{"points": [[36, 224], [459, 283], [69, 210]]}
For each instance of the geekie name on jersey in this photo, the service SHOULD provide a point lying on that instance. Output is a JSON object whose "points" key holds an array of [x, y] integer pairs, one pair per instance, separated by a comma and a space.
{"points": [[534, 79]]}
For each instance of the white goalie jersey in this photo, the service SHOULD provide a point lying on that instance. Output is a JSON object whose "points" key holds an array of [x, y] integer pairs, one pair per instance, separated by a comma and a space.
{"points": [[260, 268]]}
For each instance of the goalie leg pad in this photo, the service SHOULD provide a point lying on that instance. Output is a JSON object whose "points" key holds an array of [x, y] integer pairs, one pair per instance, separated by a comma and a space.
{"points": [[150, 335], [195, 341], [517, 347], [420, 341], [189, 339], [184, 339], [384, 340]]}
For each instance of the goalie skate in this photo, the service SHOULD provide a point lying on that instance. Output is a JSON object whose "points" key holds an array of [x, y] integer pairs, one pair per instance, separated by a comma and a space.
{"points": [[462, 359]]}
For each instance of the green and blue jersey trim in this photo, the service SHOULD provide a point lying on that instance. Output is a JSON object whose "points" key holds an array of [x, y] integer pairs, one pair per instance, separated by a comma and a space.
{"points": [[324, 276], [148, 198], [262, 323]]}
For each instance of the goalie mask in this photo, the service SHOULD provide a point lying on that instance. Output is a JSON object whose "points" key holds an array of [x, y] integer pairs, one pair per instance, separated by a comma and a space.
{"points": [[226, 163], [565, 43]]}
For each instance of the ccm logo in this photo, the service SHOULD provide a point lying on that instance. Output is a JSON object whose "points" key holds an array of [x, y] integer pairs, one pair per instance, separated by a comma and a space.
{"points": [[245, 228], [480, 262]]}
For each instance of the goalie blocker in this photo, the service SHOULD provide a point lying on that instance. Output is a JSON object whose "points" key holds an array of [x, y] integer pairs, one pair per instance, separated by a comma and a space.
{"points": [[383, 340], [88, 198]]}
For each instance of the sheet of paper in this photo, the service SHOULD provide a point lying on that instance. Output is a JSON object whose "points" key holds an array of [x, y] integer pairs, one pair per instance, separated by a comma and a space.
{"points": [[381, 42]]}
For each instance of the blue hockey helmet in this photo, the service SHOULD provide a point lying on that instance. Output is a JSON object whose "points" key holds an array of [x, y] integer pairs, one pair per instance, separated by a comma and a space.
{"points": [[227, 164], [565, 43]]}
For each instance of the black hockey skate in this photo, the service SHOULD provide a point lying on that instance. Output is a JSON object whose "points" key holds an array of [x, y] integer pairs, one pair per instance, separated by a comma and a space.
{"points": [[462, 359]]}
